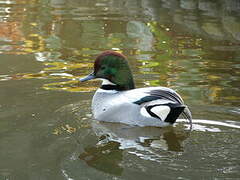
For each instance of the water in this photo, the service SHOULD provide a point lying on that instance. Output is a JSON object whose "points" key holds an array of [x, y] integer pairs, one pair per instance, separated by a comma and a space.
{"points": [[46, 128]]}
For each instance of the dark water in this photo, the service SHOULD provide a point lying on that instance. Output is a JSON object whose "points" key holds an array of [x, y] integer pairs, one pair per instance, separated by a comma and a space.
{"points": [[46, 129]]}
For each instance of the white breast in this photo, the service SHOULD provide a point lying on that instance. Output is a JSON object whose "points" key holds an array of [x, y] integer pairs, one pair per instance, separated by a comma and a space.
{"points": [[103, 101]]}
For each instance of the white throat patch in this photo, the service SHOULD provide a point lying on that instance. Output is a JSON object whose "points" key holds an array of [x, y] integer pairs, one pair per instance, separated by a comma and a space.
{"points": [[106, 82]]}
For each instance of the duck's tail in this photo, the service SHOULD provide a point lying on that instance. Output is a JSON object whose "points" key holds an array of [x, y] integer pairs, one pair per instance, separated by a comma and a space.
{"points": [[188, 115]]}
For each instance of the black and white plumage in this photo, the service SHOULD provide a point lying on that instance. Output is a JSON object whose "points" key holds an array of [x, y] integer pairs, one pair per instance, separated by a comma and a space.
{"points": [[153, 106], [174, 107], [117, 100]]}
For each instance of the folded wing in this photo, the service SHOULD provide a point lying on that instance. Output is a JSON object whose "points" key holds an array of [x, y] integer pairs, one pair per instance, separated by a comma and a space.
{"points": [[163, 103]]}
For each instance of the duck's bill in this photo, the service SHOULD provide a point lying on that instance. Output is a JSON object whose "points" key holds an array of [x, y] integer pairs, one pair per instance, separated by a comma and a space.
{"points": [[88, 77]]}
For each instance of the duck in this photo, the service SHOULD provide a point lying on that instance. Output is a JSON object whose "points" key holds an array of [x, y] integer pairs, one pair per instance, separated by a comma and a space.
{"points": [[117, 100]]}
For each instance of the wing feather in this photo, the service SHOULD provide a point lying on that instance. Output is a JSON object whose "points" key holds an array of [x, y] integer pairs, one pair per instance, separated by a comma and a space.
{"points": [[164, 94]]}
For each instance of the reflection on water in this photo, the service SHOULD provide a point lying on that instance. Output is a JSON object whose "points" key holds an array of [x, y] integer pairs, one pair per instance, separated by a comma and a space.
{"points": [[146, 143], [139, 138], [192, 46], [106, 158]]}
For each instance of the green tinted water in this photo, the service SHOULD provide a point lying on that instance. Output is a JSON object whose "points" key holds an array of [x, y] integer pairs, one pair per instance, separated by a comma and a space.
{"points": [[46, 128]]}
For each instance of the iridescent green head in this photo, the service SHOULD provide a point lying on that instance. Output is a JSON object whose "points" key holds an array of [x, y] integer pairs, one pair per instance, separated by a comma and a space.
{"points": [[112, 66]]}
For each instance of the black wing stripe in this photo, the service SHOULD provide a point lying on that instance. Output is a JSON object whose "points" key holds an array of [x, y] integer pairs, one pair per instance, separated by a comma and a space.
{"points": [[146, 99], [175, 111]]}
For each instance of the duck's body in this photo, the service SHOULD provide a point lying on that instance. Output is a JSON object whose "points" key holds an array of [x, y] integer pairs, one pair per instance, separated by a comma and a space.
{"points": [[117, 100], [151, 106]]}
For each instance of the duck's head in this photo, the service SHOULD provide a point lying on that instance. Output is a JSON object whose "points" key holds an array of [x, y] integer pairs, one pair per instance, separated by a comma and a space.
{"points": [[112, 67]]}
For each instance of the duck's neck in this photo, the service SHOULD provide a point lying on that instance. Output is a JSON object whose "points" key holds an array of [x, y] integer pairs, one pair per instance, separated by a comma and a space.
{"points": [[107, 85]]}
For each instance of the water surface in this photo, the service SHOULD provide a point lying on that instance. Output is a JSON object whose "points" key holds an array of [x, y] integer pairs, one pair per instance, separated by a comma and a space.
{"points": [[46, 127]]}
